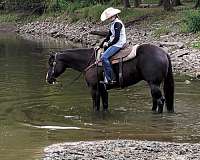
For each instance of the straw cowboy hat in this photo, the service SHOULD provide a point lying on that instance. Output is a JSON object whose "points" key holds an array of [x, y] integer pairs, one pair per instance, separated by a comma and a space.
{"points": [[108, 13]]}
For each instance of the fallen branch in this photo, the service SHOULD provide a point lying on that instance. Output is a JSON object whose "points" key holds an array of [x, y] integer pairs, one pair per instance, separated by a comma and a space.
{"points": [[99, 33]]}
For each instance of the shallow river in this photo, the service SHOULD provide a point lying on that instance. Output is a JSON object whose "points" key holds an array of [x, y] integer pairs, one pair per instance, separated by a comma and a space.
{"points": [[34, 114]]}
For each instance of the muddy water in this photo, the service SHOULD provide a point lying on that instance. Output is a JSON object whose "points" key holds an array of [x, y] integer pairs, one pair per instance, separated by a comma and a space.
{"points": [[34, 114]]}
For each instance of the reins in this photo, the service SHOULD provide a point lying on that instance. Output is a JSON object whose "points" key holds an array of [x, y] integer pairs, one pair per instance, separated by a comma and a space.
{"points": [[85, 70], [93, 64]]}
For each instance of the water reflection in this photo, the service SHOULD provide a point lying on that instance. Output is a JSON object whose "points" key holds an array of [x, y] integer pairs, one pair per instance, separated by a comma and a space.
{"points": [[34, 114]]}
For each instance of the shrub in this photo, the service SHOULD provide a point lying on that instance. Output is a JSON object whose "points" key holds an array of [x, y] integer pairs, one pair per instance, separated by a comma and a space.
{"points": [[193, 21], [161, 31], [92, 13]]}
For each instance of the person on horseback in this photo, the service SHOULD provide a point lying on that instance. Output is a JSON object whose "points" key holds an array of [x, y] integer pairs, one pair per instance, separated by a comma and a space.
{"points": [[114, 41]]}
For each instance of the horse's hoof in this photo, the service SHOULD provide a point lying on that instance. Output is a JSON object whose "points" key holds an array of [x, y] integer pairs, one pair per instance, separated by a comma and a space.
{"points": [[105, 110], [154, 112], [96, 110], [161, 102], [160, 111], [170, 111]]}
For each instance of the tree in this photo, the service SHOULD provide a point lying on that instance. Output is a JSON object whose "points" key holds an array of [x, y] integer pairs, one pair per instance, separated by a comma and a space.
{"points": [[160, 2], [167, 5], [197, 4], [126, 3], [137, 3], [176, 2]]}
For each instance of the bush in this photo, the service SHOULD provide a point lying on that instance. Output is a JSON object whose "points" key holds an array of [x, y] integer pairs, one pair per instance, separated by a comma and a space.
{"points": [[66, 5], [92, 13], [193, 21], [8, 17], [196, 45], [161, 31]]}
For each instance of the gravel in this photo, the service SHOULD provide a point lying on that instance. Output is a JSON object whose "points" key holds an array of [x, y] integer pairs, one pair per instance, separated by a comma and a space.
{"points": [[122, 150]]}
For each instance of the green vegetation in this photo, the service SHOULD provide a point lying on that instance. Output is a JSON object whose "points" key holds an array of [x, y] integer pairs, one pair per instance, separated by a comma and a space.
{"points": [[196, 45], [90, 13], [8, 17], [193, 20], [161, 31], [183, 19]]}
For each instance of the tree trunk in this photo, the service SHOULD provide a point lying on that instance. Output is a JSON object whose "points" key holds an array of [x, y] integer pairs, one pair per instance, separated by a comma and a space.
{"points": [[176, 2], [160, 2], [137, 3], [167, 5], [197, 4], [126, 3]]}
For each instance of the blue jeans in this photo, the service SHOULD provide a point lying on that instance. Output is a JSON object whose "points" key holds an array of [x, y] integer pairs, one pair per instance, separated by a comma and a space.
{"points": [[106, 63]]}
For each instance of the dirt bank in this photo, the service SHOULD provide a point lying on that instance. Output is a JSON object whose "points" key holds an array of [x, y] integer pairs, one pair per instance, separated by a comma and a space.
{"points": [[185, 58]]}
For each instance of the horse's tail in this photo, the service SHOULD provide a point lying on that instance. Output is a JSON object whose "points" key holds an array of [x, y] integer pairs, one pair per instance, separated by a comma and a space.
{"points": [[169, 88]]}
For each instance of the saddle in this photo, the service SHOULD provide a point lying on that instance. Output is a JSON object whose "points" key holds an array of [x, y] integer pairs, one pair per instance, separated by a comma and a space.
{"points": [[126, 53]]}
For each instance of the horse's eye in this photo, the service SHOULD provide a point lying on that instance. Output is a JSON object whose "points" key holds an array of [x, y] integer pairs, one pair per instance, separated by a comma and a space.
{"points": [[50, 63]]}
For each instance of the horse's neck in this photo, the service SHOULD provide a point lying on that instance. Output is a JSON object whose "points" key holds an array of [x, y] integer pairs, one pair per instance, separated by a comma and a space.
{"points": [[77, 59]]}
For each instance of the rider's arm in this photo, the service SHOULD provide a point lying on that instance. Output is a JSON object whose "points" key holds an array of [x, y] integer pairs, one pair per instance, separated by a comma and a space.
{"points": [[117, 27], [106, 39]]}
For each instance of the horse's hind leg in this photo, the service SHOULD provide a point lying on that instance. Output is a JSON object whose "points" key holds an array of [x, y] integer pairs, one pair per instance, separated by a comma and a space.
{"points": [[158, 100], [104, 96], [154, 108]]}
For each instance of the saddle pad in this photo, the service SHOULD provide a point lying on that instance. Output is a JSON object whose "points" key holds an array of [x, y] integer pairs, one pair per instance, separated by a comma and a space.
{"points": [[126, 54]]}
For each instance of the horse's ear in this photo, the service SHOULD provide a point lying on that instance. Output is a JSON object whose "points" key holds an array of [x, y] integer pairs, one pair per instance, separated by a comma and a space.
{"points": [[51, 58], [51, 55]]}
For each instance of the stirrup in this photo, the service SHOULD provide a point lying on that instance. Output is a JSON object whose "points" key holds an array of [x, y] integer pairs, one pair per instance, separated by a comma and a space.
{"points": [[112, 82]]}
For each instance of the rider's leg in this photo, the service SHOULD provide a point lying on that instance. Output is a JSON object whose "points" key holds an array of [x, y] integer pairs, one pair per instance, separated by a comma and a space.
{"points": [[106, 63]]}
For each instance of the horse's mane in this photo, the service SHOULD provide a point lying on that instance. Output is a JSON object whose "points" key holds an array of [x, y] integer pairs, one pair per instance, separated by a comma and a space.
{"points": [[77, 51]]}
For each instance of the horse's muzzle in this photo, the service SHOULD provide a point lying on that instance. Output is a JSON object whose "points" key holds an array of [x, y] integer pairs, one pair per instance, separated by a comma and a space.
{"points": [[50, 80]]}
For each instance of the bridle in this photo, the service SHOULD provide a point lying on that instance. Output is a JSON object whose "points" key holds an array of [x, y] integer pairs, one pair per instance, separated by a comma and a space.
{"points": [[86, 68], [54, 64]]}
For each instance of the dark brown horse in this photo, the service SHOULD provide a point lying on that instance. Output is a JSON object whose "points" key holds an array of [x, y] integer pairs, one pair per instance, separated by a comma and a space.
{"points": [[152, 64]]}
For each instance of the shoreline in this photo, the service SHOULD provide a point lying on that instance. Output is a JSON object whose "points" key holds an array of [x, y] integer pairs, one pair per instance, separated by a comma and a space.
{"points": [[122, 149], [8, 28], [185, 58]]}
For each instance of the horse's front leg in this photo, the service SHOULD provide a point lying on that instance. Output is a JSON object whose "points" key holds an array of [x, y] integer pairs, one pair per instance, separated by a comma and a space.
{"points": [[155, 103], [96, 99], [104, 96]]}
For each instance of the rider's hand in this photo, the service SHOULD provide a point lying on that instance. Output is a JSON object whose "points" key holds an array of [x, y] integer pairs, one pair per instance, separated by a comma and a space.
{"points": [[105, 44]]}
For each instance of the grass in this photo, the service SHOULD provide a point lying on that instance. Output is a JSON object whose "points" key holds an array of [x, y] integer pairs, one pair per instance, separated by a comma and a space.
{"points": [[196, 45], [93, 13], [8, 17], [162, 31], [167, 21]]}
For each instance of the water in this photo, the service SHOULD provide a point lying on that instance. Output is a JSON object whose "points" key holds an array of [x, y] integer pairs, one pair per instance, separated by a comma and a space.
{"points": [[34, 114]]}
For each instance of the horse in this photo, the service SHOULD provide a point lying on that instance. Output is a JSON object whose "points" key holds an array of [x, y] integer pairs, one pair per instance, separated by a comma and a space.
{"points": [[151, 64]]}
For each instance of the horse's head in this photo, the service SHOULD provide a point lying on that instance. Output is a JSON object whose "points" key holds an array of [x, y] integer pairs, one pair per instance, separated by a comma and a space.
{"points": [[56, 68]]}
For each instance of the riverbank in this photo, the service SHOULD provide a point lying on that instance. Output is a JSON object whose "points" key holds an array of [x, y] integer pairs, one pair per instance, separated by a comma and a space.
{"points": [[185, 58], [164, 31], [123, 149]]}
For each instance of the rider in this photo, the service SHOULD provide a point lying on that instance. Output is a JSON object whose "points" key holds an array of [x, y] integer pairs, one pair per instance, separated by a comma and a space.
{"points": [[114, 41]]}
